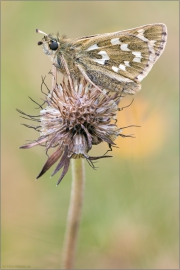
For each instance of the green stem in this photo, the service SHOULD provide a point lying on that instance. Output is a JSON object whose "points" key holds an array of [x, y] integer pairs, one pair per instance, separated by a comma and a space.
{"points": [[74, 213]]}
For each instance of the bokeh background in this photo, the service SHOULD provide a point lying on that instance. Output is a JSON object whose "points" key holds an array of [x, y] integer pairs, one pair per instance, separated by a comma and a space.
{"points": [[130, 213]]}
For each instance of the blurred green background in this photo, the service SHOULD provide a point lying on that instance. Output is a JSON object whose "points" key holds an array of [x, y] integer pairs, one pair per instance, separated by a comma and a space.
{"points": [[130, 213]]}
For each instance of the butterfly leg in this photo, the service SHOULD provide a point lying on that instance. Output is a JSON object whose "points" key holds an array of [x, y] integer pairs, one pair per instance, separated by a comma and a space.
{"points": [[67, 71], [87, 78]]}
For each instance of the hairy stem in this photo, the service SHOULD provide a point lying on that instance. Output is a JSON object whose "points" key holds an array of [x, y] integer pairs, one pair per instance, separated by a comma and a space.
{"points": [[74, 213]]}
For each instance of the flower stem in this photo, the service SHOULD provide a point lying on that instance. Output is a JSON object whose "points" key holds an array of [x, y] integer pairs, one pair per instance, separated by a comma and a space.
{"points": [[74, 213]]}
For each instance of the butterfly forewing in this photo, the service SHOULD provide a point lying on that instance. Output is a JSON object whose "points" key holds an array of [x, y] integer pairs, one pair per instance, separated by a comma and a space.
{"points": [[130, 53]]}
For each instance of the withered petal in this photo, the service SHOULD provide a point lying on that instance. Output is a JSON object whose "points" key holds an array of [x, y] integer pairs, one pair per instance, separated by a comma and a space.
{"points": [[51, 160], [65, 169], [105, 138], [62, 161], [29, 145], [89, 137]]}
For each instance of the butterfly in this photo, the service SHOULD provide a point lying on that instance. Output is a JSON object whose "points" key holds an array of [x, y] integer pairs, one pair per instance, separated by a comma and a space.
{"points": [[116, 61]]}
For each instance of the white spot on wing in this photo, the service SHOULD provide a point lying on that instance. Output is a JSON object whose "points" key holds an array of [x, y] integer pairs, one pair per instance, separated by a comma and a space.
{"points": [[93, 47], [115, 68], [152, 42], [136, 59], [127, 63], [137, 54], [104, 58], [115, 41], [124, 47], [141, 36], [122, 67]]}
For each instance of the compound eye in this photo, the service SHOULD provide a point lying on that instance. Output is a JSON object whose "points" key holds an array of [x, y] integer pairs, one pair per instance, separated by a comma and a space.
{"points": [[53, 45]]}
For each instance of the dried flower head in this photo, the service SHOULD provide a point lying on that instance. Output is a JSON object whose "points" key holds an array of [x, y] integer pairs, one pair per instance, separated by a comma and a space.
{"points": [[73, 121]]}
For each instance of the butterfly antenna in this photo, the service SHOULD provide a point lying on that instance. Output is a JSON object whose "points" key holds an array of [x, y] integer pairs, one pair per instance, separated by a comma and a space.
{"points": [[41, 32]]}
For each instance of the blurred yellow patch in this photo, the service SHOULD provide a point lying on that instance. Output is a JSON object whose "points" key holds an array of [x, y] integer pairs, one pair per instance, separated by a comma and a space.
{"points": [[149, 138]]}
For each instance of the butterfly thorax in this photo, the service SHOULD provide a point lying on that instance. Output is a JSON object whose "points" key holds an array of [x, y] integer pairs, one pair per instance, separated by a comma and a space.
{"points": [[65, 49]]}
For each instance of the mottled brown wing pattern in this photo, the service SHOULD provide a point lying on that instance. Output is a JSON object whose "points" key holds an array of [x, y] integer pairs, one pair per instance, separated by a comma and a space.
{"points": [[126, 56], [116, 61]]}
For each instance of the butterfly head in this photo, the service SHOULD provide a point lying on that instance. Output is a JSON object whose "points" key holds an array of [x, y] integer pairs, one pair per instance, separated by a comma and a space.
{"points": [[50, 43]]}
